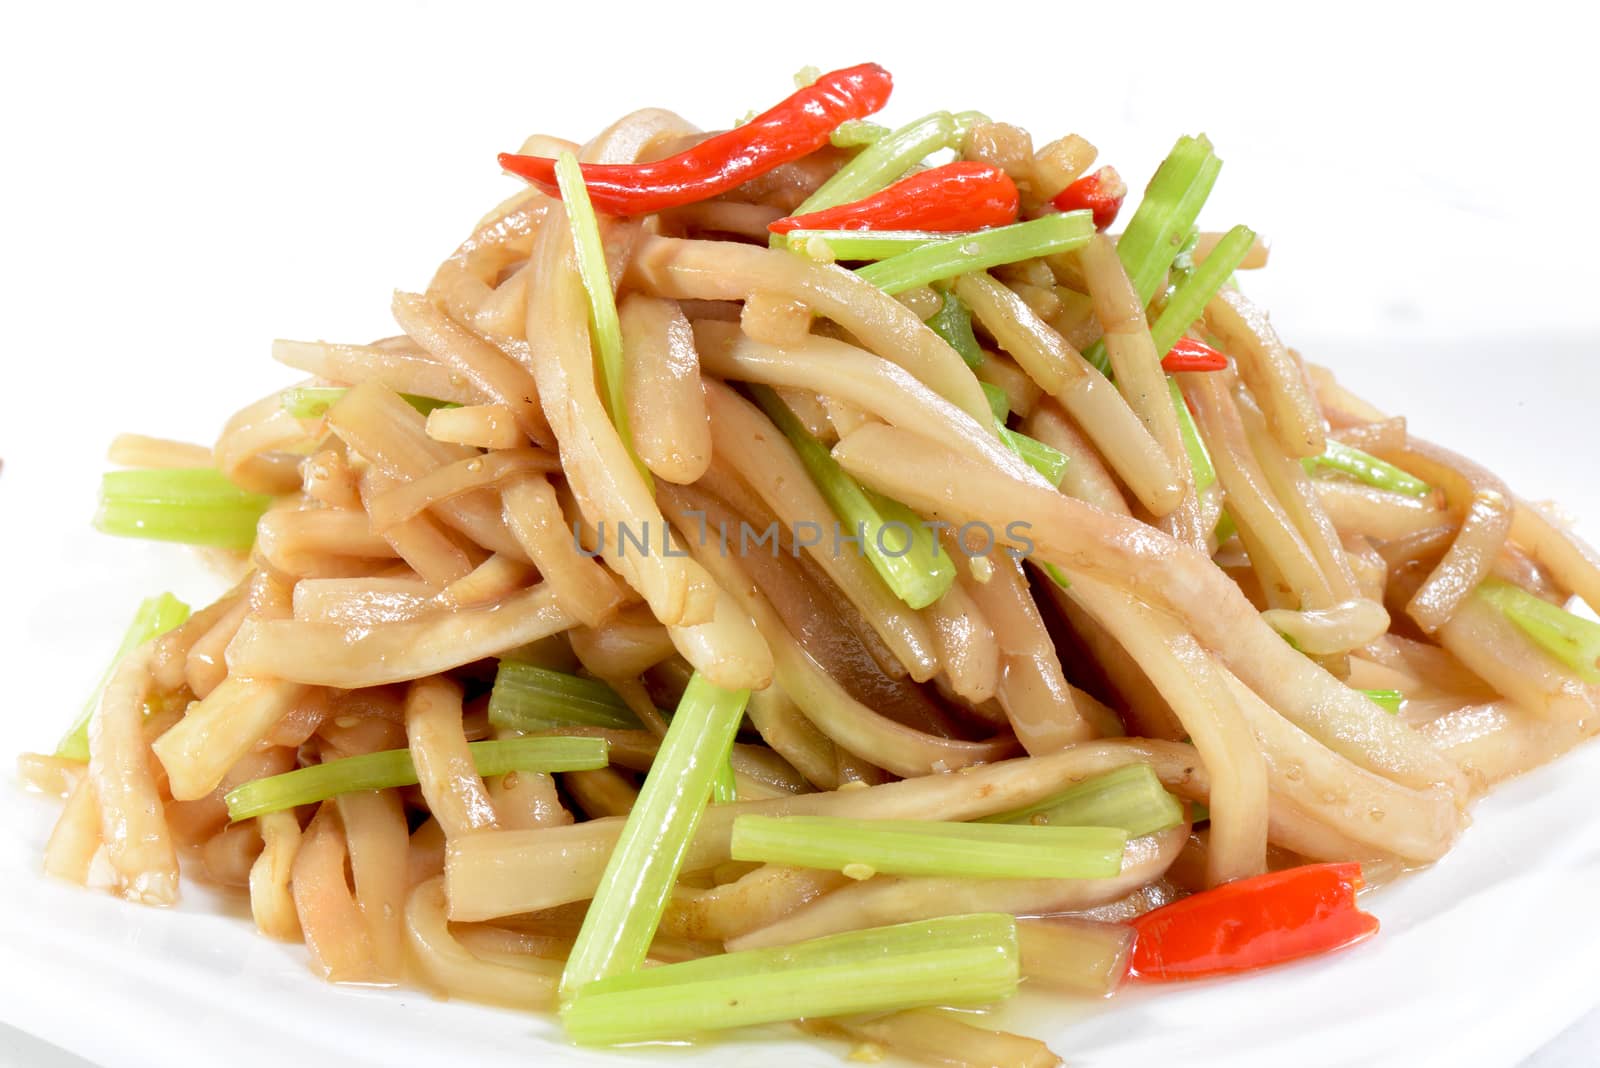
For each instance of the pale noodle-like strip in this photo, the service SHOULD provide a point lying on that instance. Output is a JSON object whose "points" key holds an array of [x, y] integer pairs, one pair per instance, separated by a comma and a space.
{"points": [[421, 541], [1037, 700], [493, 373], [965, 641], [1139, 376], [378, 841], [132, 824], [407, 499], [1485, 507], [1087, 477], [250, 449], [1191, 682], [404, 372], [482, 426], [595, 460], [335, 931], [376, 423], [446, 963], [75, 839], [1272, 373], [661, 388], [271, 903], [137, 450], [319, 542], [445, 770], [219, 730], [713, 270], [1083, 391], [582, 586], [753, 448], [328, 654], [206, 666], [756, 899], [932, 478]]}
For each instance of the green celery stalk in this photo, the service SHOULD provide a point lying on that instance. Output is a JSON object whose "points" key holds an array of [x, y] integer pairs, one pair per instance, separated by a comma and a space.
{"points": [[1192, 294], [964, 122], [393, 767], [856, 133], [313, 402], [724, 788], [626, 909], [1226, 527], [882, 162], [1161, 224], [999, 403], [1045, 459], [954, 960], [921, 572], [1205, 476], [1388, 700], [1167, 213], [193, 505], [860, 244], [1367, 468], [980, 250], [953, 323], [1131, 798], [602, 301], [926, 847], [155, 616], [527, 697], [1569, 638]]}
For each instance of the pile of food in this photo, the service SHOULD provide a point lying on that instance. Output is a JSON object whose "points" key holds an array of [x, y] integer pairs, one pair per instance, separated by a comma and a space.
{"points": [[814, 572]]}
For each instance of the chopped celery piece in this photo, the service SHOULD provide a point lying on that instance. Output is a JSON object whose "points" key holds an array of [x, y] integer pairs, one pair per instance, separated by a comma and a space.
{"points": [[1226, 527], [527, 697], [193, 505], [964, 122], [597, 283], [393, 767], [882, 162], [894, 539], [999, 403], [1195, 291], [854, 133], [927, 847], [980, 250], [626, 909], [1388, 700], [1205, 476], [1166, 214], [155, 616], [858, 244], [1130, 797], [967, 960], [1161, 225], [953, 322], [1571, 639], [1046, 460], [1367, 468], [807, 75], [1058, 576], [724, 788], [313, 402]]}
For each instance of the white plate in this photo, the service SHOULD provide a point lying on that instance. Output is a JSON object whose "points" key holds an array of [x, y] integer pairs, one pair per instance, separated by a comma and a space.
{"points": [[1417, 278]]}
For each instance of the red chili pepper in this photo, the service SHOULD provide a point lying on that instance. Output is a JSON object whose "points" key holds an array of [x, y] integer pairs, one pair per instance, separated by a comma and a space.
{"points": [[965, 195], [1100, 192], [1252, 923], [797, 127], [1191, 355]]}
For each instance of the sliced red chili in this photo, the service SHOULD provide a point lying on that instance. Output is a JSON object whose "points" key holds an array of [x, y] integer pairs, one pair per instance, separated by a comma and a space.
{"points": [[1101, 192], [965, 195], [1191, 355], [797, 127], [1252, 923]]}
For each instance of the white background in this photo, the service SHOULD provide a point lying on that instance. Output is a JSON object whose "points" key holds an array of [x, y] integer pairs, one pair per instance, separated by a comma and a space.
{"points": [[181, 185]]}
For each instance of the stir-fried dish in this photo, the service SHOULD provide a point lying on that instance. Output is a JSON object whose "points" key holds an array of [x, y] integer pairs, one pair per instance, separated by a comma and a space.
{"points": [[817, 572]]}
